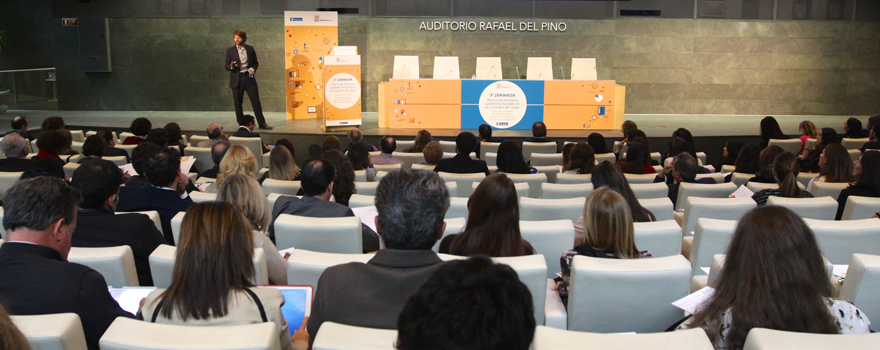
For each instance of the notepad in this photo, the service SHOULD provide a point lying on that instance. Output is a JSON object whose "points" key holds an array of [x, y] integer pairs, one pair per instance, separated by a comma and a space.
{"points": [[367, 216], [695, 300], [742, 192]]}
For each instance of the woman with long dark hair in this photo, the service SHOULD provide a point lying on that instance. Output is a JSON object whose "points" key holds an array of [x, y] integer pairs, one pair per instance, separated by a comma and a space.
{"points": [[765, 165], [359, 157], [582, 159], [770, 130], [828, 136], [638, 160], [422, 139], [597, 141], [510, 160], [774, 277], [609, 175], [785, 172], [853, 129], [493, 223], [836, 166], [731, 151], [747, 162], [866, 172]]}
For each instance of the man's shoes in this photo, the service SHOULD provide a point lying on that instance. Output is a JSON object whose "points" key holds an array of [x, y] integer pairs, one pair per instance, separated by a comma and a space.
{"points": [[265, 126]]}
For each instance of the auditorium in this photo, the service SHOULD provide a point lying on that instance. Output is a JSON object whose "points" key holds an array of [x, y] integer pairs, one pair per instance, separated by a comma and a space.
{"points": [[439, 174]]}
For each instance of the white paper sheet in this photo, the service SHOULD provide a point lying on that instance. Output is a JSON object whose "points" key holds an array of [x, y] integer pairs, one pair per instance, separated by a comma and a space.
{"points": [[128, 169], [367, 215], [405, 67], [695, 300], [539, 68], [706, 269], [130, 299], [186, 163], [839, 270], [583, 69], [446, 68], [742, 192], [284, 252]]}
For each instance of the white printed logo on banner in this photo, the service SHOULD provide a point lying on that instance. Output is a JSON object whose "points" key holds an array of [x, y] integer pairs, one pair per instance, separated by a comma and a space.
{"points": [[502, 104], [342, 91]]}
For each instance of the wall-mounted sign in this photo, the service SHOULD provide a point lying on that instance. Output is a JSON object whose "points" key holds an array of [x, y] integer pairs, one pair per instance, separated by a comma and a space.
{"points": [[493, 26]]}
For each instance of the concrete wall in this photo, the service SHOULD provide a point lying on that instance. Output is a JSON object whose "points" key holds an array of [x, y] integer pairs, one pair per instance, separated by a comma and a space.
{"points": [[669, 65]]}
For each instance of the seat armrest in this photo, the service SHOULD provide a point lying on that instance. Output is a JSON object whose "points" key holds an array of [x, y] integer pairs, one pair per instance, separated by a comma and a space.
{"points": [[555, 315]]}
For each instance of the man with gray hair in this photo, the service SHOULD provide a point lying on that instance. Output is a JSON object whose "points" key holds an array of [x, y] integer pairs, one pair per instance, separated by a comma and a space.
{"points": [[215, 135], [16, 150], [411, 205], [354, 136], [683, 168]]}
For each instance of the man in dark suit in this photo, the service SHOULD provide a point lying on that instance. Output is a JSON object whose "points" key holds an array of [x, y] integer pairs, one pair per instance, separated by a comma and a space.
{"points": [[242, 64], [35, 277], [317, 183], [20, 127], [486, 136], [684, 168], [462, 162], [98, 226], [218, 150], [539, 134], [411, 205], [167, 192], [246, 125], [15, 148], [139, 157], [111, 150]]}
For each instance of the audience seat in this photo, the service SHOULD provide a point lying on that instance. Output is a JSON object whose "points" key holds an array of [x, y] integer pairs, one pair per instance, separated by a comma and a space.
{"points": [[330, 235], [758, 186], [453, 225], [403, 145], [408, 159], [52, 331], [547, 338], [831, 189], [714, 208], [853, 144], [335, 336], [118, 160], [202, 156], [130, 148], [769, 339], [7, 179], [201, 197], [304, 267], [447, 155], [854, 154], [839, 240], [740, 179], [640, 178], [491, 147], [602, 291], [448, 146], [522, 188], [686, 189], [820, 208], [360, 176], [789, 145], [282, 187], [661, 238], [387, 167], [77, 136], [718, 177], [727, 168], [457, 208], [176, 224], [463, 181], [862, 284], [367, 188], [360, 200], [539, 159], [563, 178], [162, 266], [532, 271], [124, 135], [808, 145], [116, 264], [551, 209], [563, 191], [652, 190], [195, 139], [375, 153], [858, 207], [550, 239], [152, 214], [491, 158], [428, 167], [711, 237], [255, 144], [69, 168], [660, 207], [534, 181], [606, 157], [804, 178], [537, 147], [129, 334], [715, 267], [551, 171]]}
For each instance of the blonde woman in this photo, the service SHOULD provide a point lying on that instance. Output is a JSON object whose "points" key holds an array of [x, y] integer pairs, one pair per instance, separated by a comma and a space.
{"points": [[238, 160], [808, 131], [608, 233], [282, 166], [246, 195]]}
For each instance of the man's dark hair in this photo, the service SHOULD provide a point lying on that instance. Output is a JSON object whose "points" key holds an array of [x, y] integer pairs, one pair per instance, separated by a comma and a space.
{"points": [[317, 174], [54, 141], [140, 154], [485, 131], [140, 126], [246, 120], [53, 123], [97, 180], [686, 165], [539, 129], [465, 143], [158, 136], [468, 304], [37, 202], [218, 150], [241, 34], [94, 146], [19, 122], [105, 134], [411, 205], [162, 167], [388, 144]]}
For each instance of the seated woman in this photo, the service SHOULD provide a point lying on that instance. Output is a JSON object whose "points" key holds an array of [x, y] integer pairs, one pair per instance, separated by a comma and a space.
{"points": [[422, 139], [765, 165], [810, 162], [747, 162], [52, 144], [808, 131], [212, 282], [785, 172], [510, 160], [331, 143], [359, 157], [597, 141], [493, 223], [609, 233], [866, 172], [582, 159], [238, 160], [773, 277], [770, 130], [609, 175], [638, 160], [625, 128], [248, 197], [282, 166], [175, 137], [853, 129], [835, 164], [731, 151], [343, 185], [93, 148], [139, 128], [566, 156], [433, 152]]}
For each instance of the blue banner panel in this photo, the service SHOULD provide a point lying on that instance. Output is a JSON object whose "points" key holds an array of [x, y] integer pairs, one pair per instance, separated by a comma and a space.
{"points": [[471, 119], [503, 104]]}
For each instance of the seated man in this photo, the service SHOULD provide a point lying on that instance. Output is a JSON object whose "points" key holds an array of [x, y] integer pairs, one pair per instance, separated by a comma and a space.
{"points": [[683, 169], [15, 148], [98, 226], [139, 157], [317, 177], [166, 194], [485, 132], [462, 162], [140, 127], [20, 127], [354, 136], [215, 135], [35, 277], [246, 125], [388, 145], [411, 205], [111, 150], [539, 134], [218, 150], [442, 314]]}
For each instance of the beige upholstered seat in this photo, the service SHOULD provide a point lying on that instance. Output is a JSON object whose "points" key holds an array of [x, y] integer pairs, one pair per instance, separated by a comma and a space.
{"points": [[550, 239], [687, 189], [162, 265], [367, 188], [768, 339], [152, 214], [718, 177], [116, 264], [563, 178], [304, 267], [651, 190], [711, 237], [457, 208], [547, 338], [562, 191], [359, 200], [862, 284], [52, 331], [202, 156], [539, 159], [176, 224], [537, 147], [408, 158], [69, 168], [77, 136], [7, 179], [605, 157], [740, 179], [118, 160], [792, 146], [448, 146], [640, 178], [254, 144], [201, 197], [463, 181], [661, 238], [758, 186], [551, 171], [727, 168], [858, 207], [387, 167], [660, 207], [283, 187], [335, 336], [839, 240], [453, 225], [830, 189], [551, 209], [821, 208], [714, 208], [330, 235], [534, 181], [490, 147], [532, 271], [851, 144], [195, 139], [491, 158], [129, 334], [428, 167], [403, 145]]}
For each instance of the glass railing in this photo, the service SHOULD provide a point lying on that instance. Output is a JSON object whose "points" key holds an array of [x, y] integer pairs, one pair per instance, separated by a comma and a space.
{"points": [[28, 89]]}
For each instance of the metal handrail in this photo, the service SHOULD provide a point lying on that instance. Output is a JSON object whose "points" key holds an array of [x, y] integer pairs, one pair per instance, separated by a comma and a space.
{"points": [[25, 70]]}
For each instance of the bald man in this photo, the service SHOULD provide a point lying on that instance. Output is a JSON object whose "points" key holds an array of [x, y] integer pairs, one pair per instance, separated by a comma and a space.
{"points": [[215, 134]]}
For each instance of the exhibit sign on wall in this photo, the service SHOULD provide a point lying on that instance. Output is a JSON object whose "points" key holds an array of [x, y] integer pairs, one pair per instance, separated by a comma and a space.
{"points": [[308, 37]]}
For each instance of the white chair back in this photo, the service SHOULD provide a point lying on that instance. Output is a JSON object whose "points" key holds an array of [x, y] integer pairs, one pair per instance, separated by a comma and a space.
{"points": [[202, 156], [858, 207], [711, 237], [360, 200], [463, 182], [408, 159], [718, 177], [152, 214], [563, 178], [660, 207], [304, 267], [727, 168], [551, 171], [195, 139], [547, 338], [686, 189], [176, 224], [7, 179], [534, 181], [428, 167], [201, 197], [116, 264], [457, 208], [281, 187], [532, 209], [453, 225], [714, 208], [605, 157], [330, 235], [740, 179], [254, 144], [366, 188], [562, 191], [862, 284], [830, 189], [118, 160], [651, 190], [522, 188], [335, 336], [789, 145], [850, 144], [130, 334], [601, 287], [491, 147], [854, 154], [537, 147], [661, 238], [69, 168], [769, 339], [550, 239], [52, 331], [491, 158], [804, 178], [360, 176], [532, 271], [640, 178], [448, 146], [821, 208], [403, 145], [387, 167], [539, 159], [839, 240], [162, 266], [77, 136]]}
